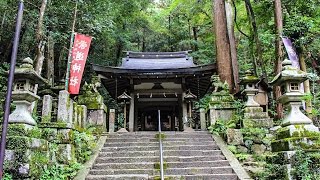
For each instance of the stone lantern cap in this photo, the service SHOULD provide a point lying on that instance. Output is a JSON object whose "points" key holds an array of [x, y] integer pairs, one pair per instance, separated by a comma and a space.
{"points": [[289, 73], [26, 71], [249, 78]]}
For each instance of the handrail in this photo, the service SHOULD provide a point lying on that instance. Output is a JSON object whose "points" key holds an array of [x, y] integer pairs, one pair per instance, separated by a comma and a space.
{"points": [[160, 147]]}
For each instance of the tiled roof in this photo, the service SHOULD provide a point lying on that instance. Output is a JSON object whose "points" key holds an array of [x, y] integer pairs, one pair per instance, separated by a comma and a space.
{"points": [[157, 60]]}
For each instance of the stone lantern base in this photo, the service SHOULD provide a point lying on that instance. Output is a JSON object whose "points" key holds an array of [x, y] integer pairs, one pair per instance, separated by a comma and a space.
{"points": [[255, 117], [21, 114], [295, 136]]}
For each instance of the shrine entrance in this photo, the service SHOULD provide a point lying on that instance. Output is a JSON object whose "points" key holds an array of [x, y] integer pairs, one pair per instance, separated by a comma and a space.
{"points": [[156, 80], [147, 119]]}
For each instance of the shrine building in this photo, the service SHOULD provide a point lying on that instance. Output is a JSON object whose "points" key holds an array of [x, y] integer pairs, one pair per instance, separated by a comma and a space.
{"points": [[148, 81]]}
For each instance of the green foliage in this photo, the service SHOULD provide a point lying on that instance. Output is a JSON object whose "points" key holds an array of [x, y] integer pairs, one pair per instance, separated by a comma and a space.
{"points": [[7, 176], [219, 128], [242, 156], [161, 136], [60, 172], [306, 165], [3, 87], [84, 144]]}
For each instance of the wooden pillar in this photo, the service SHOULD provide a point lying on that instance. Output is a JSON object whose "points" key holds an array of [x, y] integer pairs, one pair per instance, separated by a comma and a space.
{"points": [[131, 113], [184, 111]]}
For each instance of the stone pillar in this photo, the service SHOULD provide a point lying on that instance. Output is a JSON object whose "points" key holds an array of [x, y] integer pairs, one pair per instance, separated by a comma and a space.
{"points": [[212, 115], [46, 108], [203, 119], [112, 115], [131, 113], [83, 116], [97, 117], [65, 108]]}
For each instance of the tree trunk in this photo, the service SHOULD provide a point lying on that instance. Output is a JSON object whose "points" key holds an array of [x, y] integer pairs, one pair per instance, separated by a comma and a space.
{"points": [[232, 39], [195, 38], [50, 60], [222, 44], [306, 84], [278, 53], [40, 40], [2, 24], [255, 38]]}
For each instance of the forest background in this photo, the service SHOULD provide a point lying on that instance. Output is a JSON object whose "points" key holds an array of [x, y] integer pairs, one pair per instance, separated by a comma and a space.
{"points": [[162, 25]]}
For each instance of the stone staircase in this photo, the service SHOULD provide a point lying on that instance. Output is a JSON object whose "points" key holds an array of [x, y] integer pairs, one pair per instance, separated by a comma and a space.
{"points": [[190, 155]]}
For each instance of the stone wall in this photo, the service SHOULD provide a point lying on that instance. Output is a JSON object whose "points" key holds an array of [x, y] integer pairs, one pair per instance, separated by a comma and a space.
{"points": [[52, 140]]}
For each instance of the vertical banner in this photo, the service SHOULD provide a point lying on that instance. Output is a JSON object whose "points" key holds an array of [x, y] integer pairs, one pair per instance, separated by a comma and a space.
{"points": [[293, 57], [80, 51], [291, 52]]}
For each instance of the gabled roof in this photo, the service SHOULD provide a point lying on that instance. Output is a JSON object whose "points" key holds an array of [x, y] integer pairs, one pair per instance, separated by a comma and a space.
{"points": [[157, 60]]}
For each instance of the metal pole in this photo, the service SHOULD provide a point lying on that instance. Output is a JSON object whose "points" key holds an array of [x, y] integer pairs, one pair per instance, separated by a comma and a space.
{"points": [[125, 115], [160, 147], [70, 48], [9, 86]]}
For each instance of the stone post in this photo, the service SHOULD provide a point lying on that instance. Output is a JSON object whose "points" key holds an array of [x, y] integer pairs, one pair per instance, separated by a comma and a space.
{"points": [[212, 115], [46, 108], [83, 116], [65, 108], [112, 115], [131, 113], [203, 119], [65, 115]]}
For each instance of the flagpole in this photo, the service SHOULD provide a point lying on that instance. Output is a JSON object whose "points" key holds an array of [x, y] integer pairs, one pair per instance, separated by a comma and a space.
{"points": [[9, 86], [70, 48]]}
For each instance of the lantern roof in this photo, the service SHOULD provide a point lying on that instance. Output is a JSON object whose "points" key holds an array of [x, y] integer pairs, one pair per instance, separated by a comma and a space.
{"points": [[289, 73], [26, 71], [249, 78]]}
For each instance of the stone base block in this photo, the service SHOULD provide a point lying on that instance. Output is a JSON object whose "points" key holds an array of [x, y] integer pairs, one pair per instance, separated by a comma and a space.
{"points": [[256, 115], [253, 110], [64, 135], [97, 117], [258, 123], [65, 153], [291, 144], [234, 137], [297, 131], [22, 143]]}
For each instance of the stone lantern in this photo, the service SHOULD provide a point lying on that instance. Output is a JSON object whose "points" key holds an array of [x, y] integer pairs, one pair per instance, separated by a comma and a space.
{"points": [[124, 97], [189, 98], [23, 93], [290, 79], [253, 112], [249, 81], [296, 128]]}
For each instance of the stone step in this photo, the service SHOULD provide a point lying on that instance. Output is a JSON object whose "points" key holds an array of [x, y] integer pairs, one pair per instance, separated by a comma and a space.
{"points": [[144, 165], [168, 171], [119, 177], [154, 159], [167, 143], [150, 165], [165, 153], [171, 177], [199, 170], [123, 171], [200, 177], [156, 148], [143, 139], [156, 132], [154, 135]]}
